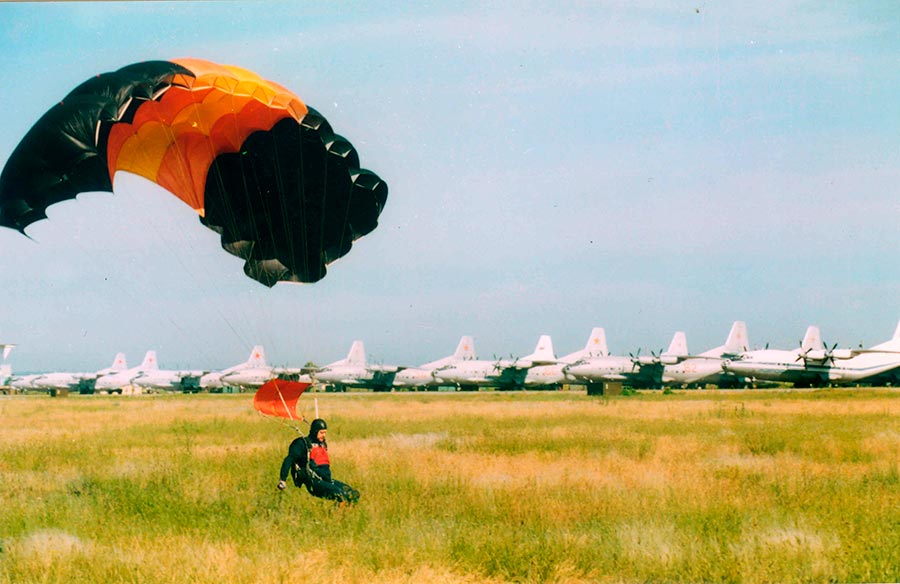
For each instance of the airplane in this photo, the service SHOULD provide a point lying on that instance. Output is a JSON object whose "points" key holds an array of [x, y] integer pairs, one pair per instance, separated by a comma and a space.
{"points": [[422, 376], [117, 381], [352, 371], [248, 373], [80, 382], [804, 366], [502, 374], [168, 380], [818, 366], [5, 368], [251, 373], [554, 374], [22, 382], [693, 370], [878, 365], [633, 370]]}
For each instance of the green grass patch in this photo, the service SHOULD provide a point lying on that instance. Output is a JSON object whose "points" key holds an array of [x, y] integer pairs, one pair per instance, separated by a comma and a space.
{"points": [[696, 486]]}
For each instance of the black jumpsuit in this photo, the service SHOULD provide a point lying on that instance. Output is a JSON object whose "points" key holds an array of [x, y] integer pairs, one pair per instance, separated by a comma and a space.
{"points": [[308, 464]]}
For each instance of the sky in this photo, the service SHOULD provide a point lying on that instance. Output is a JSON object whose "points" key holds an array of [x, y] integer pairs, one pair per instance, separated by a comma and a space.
{"points": [[644, 166]]}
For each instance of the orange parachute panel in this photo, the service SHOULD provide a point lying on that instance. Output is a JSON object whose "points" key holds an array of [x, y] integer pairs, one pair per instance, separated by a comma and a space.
{"points": [[172, 141], [279, 398]]}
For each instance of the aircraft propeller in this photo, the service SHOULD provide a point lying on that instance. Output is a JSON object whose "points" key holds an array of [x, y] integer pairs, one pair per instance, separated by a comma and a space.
{"points": [[635, 359], [826, 356]]}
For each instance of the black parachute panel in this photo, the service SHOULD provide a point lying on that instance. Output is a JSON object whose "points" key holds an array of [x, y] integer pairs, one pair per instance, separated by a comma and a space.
{"points": [[292, 200]]}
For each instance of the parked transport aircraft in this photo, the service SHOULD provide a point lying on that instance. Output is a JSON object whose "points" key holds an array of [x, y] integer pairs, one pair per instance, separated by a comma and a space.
{"points": [[80, 382], [117, 381], [633, 370], [251, 373], [352, 371], [691, 370], [423, 375], [500, 373], [554, 374], [815, 365], [781, 365], [887, 351], [168, 380], [5, 368]]}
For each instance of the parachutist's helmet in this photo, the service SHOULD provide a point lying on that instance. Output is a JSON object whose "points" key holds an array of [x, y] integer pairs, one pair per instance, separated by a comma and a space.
{"points": [[317, 424]]}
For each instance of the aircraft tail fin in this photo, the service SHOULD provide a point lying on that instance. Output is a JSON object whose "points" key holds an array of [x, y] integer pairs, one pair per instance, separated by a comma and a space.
{"points": [[149, 363], [596, 345], [737, 341], [812, 340], [465, 350], [678, 346], [357, 354], [543, 352], [7, 349], [257, 358], [896, 336], [119, 363]]}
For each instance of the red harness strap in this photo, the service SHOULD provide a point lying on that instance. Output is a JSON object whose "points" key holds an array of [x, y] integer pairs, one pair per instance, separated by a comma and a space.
{"points": [[319, 455]]}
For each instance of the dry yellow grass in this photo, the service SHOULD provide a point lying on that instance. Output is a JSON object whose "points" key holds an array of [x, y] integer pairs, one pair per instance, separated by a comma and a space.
{"points": [[525, 487]]}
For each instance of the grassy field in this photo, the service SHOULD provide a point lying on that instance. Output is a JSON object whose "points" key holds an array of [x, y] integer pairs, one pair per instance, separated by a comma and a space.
{"points": [[701, 486]]}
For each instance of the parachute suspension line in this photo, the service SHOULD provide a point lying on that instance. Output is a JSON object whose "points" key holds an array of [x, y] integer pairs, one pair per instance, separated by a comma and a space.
{"points": [[270, 218], [286, 408], [215, 175], [288, 411], [301, 196], [346, 223], [258, 200], [176, 253], [322, 229], [183, 169], [284, 211], [102, 268], [252, 197], [282, 422]]}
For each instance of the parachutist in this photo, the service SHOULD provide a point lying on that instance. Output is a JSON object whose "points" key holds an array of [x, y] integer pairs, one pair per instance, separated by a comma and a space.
{"points": [[309, 465]]}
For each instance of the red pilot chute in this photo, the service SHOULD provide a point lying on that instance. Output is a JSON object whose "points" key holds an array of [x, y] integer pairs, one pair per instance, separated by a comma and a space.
{"points": [[278, 398]]}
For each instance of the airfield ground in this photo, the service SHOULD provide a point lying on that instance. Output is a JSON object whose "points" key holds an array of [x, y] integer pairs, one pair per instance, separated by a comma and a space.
{"points": [[730, 486]]}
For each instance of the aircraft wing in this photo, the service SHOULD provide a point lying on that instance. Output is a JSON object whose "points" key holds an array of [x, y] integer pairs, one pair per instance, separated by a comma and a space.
{"points": [[295, 370], [514, 365], [383, 368]]}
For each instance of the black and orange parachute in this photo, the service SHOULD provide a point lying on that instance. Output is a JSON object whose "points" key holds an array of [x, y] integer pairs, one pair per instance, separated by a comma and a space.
{"points": [[260, 167]]}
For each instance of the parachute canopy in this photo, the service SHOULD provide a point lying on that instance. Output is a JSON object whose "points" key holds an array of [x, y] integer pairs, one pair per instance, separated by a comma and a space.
{"points": [[259, 166], [277, 397]]}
